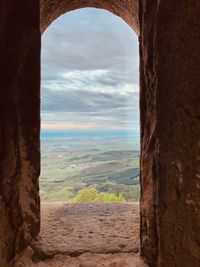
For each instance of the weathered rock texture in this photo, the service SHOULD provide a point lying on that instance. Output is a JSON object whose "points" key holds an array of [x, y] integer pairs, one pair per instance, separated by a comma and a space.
{"points": [[19, 125], [126, 9], [87, 235], [76, 228], [84, 260], [170, 125]]}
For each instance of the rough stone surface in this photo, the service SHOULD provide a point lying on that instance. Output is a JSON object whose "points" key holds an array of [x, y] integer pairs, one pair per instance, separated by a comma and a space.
{"points": [[19, 125], [87, 235], [126, 9], [170, 122], [84, 260], [88, 227]]}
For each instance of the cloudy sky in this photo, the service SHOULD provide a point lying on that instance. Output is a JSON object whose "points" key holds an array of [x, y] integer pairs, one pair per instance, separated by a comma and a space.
{"points": [[90, 73]]}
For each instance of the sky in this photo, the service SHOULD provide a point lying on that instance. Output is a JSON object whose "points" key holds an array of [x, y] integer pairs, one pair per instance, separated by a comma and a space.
{"points": [[90, 73]]}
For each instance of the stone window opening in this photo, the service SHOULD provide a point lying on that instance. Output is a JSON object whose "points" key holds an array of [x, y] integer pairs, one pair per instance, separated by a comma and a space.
{"points": [[169, 92], [89, 227]]}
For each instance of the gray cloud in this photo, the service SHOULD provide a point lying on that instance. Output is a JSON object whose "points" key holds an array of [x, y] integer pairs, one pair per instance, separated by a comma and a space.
{"points": [[84, 101], [90, 40]]}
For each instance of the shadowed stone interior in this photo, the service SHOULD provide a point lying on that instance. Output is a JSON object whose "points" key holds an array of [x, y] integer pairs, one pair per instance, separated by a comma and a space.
{"points": [[19, 126], [126, 9], [170, 123], [170, 127]]}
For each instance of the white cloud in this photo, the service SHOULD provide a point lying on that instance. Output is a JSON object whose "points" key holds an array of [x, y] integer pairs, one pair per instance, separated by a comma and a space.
{"points": [[84, 74]]}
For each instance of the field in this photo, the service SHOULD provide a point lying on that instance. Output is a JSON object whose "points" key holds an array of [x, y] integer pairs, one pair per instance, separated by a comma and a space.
{"points": [[71, 163]]}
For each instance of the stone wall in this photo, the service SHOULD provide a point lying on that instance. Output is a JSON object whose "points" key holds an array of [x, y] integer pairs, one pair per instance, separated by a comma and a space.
{"points": [[126, 9], [19, 125], [170, 122]]}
